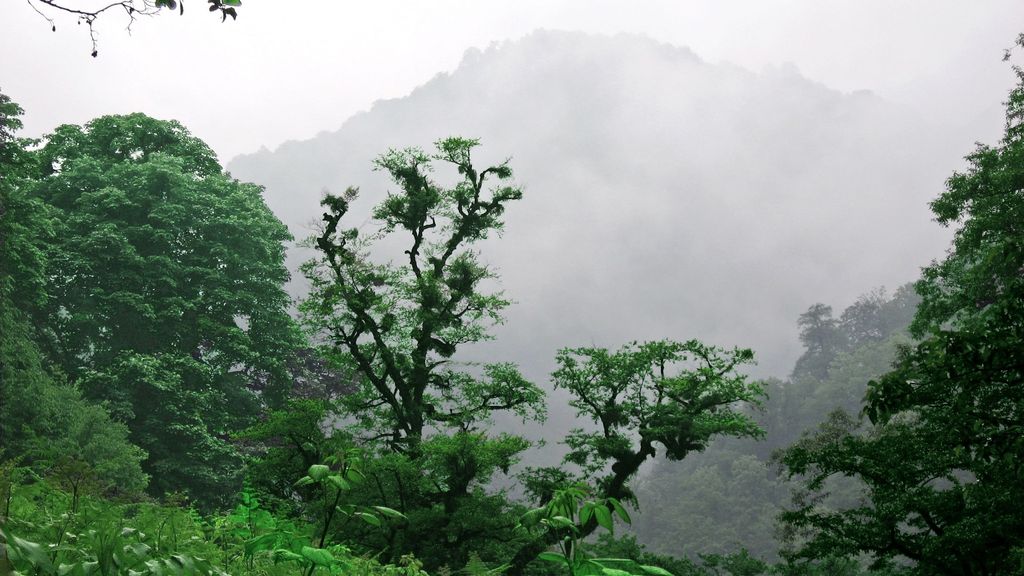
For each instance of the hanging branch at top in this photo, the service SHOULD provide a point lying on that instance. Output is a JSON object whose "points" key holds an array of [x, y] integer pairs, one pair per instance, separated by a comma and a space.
{"points": [[131, 8]]}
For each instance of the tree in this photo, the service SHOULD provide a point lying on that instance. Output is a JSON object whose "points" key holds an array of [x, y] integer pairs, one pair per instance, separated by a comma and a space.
{"points": [[942, 459], [731, 494], [941, 465], [676, 395], [822, 340], [165, 292], [864, 320], [42, 418], [23, 221], [663, 395], [399, 325], [10, 122], [132, 9]]}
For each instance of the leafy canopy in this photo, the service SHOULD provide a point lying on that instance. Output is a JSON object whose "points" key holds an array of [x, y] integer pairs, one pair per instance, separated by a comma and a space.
{"points": [[164, 292], [42, 418]]}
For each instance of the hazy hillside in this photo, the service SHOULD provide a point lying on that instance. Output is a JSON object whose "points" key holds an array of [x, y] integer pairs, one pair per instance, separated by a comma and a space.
{"points": [[665, 196]]}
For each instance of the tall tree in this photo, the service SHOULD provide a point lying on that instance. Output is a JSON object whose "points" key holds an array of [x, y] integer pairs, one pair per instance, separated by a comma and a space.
{"points": [[23, 222], [166, 299], [399, 325]]}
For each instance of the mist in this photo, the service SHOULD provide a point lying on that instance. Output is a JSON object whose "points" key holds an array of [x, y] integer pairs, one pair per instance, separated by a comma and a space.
{"points": [[753, 176], [665, 197]]}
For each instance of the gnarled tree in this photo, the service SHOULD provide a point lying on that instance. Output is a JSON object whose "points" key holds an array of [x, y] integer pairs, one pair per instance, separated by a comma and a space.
{"points": [[399, 324], [676, 395]]}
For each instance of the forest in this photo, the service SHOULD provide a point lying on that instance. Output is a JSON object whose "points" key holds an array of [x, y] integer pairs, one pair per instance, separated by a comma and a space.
{"points": [[169, 405]]}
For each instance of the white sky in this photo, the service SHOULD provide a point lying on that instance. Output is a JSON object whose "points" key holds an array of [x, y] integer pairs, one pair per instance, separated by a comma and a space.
{"points": [[287, 69]]}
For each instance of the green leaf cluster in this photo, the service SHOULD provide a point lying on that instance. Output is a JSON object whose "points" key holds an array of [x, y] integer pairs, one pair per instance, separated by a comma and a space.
{"points": [[567, 518]]}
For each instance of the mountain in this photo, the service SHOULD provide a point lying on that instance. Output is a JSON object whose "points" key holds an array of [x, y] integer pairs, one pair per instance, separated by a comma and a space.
{"points": [[665, 196]]}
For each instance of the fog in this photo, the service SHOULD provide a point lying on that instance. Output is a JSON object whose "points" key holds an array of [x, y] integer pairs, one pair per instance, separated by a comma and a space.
{"points": [[665, 197], [690, 170], [711, 173], [288, 72]]}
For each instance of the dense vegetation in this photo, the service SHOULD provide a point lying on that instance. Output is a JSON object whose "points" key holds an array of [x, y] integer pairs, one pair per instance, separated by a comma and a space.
{"points": [[163, 412]]}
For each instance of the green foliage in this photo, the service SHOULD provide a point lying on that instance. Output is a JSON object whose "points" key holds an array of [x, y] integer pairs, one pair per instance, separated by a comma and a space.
{"points": [[96, 537], [738, 564], [872, 319], [264, 535], [159, 251], [941, 463], [984, 267], [42, 419], [141, 292], [334, 483], [42, 535], [164, 294], [465, 459], [25, 224], [10, 122], [452, 513], [626, 546], [171, 403], [724, 500], [567, 519], [287, 443], [399, 325], [730, 495], [676, 395], [941, 460]]}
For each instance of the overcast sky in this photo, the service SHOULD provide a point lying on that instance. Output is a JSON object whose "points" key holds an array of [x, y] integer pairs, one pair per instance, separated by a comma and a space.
{"points": [[287, 70]]}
